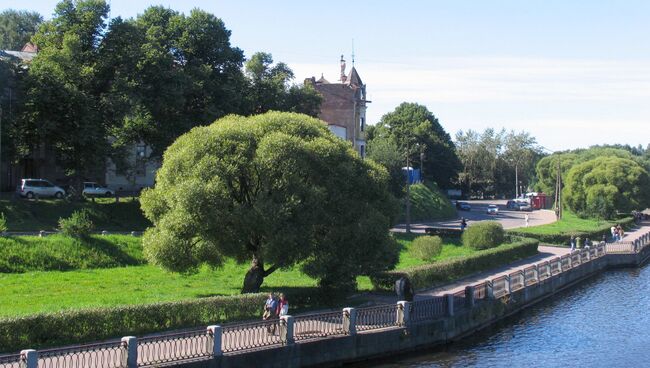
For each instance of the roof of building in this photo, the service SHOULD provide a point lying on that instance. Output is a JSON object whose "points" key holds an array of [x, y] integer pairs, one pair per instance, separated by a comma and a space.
{"points": [[322, 80], [30, 47], [27, 53], [353, 78]]}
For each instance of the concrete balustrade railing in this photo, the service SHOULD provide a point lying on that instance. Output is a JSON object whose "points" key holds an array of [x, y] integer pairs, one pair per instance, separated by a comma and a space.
{"points": [[349, 322]]}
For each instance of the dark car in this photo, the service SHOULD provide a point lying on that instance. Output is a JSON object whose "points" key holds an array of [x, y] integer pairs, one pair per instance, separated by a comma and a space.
{"points": [[463, 206]]}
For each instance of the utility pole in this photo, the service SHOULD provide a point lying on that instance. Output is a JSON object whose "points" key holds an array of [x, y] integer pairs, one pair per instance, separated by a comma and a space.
{"points": [[516, 180], [558, 192], [408, 192], [422, 164], [1, 173]]}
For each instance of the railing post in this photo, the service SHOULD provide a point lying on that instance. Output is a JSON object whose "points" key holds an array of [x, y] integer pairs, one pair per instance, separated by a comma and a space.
{"points": [[489, 290], [286, 330], [31, 358], [536, 272], [450, 304], [508, 284], [215, 334], [469, 296], [559, 262], [130, 359], [350, 321], [403, 312]]}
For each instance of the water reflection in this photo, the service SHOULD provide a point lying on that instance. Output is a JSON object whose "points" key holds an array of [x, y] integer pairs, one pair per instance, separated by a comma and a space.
{"points": [[603, 322]]}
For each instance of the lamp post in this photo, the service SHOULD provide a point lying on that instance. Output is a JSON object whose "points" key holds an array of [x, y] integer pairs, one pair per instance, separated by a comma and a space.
{"points": [[408, 192]]}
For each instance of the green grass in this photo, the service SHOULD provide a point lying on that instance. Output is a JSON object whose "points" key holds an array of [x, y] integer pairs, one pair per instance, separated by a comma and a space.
{"points": [[44, 214], [32, 292], [570, 222], [58, 252], [429, 203]]}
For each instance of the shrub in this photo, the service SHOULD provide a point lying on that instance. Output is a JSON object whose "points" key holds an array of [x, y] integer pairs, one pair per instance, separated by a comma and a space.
{"points": [[66, 327], [483, 235], [78, 225], [564, 237], [3, 223], [429, 275], [426, 248]]}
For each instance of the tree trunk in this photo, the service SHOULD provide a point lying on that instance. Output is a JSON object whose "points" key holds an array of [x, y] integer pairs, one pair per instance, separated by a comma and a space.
{"points": [[254, 277]]}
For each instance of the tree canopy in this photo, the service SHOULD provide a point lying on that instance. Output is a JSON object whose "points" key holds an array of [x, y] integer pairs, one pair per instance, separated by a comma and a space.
{"points": [[17, 28], [492, 160], [276, 189], [418, 134], [605, 184]]}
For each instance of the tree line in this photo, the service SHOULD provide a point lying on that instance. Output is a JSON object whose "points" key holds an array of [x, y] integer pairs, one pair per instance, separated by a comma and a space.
{"points": [[96, 86]]}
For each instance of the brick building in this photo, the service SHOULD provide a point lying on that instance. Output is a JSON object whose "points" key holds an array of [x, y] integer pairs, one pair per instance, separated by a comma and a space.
{"points": [[344, 106]]}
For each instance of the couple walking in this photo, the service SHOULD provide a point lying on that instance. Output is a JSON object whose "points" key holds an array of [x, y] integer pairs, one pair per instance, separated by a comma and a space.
{"points": [[274, 308]]}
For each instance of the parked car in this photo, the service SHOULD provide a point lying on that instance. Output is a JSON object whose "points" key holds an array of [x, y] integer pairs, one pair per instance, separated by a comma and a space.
{"points": [[463, 206], [31, 188], [512, 205], [93, 189], [525, 206], [493, 209]]}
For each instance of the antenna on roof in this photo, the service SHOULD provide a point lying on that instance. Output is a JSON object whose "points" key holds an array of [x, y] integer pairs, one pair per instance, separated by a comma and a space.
{"points": [[353, 52]]}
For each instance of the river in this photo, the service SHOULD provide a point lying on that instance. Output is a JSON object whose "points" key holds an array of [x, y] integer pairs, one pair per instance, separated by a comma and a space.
{"points": [[603, 322]]}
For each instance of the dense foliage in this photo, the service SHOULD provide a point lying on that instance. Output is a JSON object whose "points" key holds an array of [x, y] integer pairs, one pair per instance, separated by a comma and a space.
{"points": [[426, 247], [61, 253], [276, 189], [417, 133], [483, 235], [429, 275], [17, 27], [76, 326], [97, 88], [493, 160]]}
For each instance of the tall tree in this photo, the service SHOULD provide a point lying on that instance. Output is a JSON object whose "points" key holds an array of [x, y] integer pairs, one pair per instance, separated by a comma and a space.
{"points": [[62, 101], [418, 134], [17, 28], [276, 189], [271, 88]]}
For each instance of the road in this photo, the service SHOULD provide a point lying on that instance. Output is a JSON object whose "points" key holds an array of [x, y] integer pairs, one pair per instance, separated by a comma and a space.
{"points": [[508, 218]]}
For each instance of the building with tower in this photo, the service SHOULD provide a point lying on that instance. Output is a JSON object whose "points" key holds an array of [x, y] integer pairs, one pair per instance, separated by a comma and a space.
{"points": [[344, 106]]}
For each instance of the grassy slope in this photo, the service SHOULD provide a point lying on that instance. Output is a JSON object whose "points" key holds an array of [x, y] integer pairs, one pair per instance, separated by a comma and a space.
{"points": [[26, 215], [569, 223], [429, 203], [32, 292], [57, 252]]}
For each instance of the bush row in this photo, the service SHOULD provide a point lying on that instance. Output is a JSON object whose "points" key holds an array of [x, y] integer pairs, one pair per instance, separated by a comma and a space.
{"points": [[68, 327], [61, 253], [564, 237], [431, 274]]}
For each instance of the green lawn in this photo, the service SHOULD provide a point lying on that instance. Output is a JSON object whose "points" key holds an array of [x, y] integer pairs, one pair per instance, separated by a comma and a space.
{"points": [[44, 214], [32, 292], [569, 223]]}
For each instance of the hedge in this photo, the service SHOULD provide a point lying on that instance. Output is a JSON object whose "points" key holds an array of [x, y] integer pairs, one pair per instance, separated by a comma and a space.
{"points": [[76, 326], [426, 276], [564, 238], [484, 235], [444, 232]]}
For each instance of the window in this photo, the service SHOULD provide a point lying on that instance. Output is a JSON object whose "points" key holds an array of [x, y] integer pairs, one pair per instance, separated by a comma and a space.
{"points": [[363, 123]]}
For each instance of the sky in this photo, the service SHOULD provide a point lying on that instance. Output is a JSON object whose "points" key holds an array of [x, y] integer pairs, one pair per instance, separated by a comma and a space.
{"points": [[572, 73]]}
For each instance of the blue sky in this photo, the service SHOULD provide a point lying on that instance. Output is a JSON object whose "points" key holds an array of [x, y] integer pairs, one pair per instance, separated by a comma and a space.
{"points": [[573, 73]]}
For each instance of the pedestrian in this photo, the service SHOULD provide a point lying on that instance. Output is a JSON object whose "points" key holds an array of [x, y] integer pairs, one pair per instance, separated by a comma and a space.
{"points": [[613, 231], [604, 239], [587, 244], [621, 233], [616, 238], [526, 219], [283, 306], [463, 224], [573, 243], [270, 312]]}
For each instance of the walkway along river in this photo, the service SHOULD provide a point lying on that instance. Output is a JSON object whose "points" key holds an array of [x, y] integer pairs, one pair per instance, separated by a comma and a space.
{"points": [[323, 339], [603, 322]]}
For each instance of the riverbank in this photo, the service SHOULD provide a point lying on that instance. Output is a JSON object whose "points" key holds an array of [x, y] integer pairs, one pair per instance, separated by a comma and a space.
{"points": [[333, 338]]}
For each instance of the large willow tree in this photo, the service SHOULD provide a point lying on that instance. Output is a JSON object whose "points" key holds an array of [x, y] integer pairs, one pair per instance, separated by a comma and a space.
{"points": [[277, 190]]}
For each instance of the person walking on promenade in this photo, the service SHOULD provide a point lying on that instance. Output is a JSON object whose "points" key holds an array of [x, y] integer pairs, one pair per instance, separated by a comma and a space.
{"points": [[270, 312], [463, 224], [616, 238], [621, 233], [526, 219], [283, 306], [587, 244], [613, 230], [573, 243]]}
